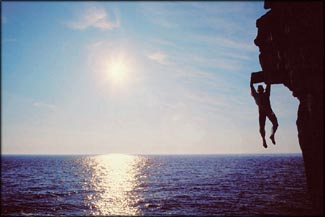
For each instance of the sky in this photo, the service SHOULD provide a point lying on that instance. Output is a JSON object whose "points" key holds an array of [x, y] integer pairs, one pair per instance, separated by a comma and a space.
{"points": [[135, 78]]}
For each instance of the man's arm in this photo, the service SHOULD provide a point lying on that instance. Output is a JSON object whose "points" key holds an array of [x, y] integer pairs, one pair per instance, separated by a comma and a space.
{"points": [[268, 88], [253, 91]]}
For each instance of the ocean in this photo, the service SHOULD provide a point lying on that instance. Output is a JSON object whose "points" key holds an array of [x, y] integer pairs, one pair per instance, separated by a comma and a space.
{"points": [[118, 184]]}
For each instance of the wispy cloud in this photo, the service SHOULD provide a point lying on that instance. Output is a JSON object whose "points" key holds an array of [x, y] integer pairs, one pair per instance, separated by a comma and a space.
{"points": [[216, 62], [237, 55], [95, 17], [160, 14], [224, 42], [162, 42], [159, 57], [42, 105]]}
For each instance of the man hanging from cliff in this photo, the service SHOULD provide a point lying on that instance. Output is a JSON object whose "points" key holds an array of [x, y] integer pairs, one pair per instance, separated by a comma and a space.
{"points": [[262, 99]]}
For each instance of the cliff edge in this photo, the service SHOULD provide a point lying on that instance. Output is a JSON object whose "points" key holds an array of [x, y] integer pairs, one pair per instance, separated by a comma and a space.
{"points": [[290, 40]]}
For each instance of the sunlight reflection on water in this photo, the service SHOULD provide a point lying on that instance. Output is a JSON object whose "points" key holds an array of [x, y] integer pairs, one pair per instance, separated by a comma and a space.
{"points": [[114, 179], [154, 185]]}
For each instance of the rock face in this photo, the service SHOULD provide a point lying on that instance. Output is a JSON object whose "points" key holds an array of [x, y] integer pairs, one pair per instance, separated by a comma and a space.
{"points": [[290, 40]]}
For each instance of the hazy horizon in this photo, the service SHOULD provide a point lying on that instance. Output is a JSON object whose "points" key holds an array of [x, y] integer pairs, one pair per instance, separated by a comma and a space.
{"points": [[135, 77]]}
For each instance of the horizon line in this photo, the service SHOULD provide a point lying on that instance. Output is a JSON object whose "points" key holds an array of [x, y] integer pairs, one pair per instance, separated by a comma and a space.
{"points": [[152, 154]]}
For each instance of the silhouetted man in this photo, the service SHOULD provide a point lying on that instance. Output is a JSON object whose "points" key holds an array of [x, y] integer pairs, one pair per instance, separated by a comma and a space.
{"points": [[262, 99]]}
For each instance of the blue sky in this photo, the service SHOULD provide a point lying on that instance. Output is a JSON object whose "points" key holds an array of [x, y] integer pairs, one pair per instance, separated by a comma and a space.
{"points": [[135, 77]]}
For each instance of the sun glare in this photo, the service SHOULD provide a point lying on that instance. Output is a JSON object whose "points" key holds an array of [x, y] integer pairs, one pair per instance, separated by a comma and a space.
{"points": [[117, 71]]}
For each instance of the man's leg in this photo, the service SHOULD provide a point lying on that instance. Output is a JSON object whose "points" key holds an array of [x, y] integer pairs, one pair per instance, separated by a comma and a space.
{"points": [[275, 124], [262, 118]]}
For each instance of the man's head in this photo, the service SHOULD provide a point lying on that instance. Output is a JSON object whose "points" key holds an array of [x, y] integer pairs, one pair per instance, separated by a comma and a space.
{"points": [[260, 89]]}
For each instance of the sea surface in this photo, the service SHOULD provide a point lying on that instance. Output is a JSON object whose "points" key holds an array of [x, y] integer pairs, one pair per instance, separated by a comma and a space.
{"points": [[117, 184]]}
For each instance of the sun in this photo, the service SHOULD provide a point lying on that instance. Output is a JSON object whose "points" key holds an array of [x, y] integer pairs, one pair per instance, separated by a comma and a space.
{"points": [[117, 71]]}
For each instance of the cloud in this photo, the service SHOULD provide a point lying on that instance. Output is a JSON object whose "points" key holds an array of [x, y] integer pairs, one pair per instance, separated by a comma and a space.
{"points": [[237, 55], [215, 62], [158, 57], [162, 42], [222, 42], [222, 8], [95, 17], [42, 105], [160, 14]]}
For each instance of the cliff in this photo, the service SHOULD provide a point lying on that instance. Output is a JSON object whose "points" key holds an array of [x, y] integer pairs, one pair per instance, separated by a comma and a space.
{"points": [[290, 40]]}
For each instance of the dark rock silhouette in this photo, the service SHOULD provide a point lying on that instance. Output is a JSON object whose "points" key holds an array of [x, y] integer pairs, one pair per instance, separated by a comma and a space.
{"points": [[290, 40]]}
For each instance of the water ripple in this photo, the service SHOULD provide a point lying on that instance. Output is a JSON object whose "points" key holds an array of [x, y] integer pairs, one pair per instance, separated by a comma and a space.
{"points": [[154, 185]]}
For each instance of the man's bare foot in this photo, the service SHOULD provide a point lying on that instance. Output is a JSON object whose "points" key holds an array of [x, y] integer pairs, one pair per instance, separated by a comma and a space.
{"points": [[264, 144], [272, 138]]}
